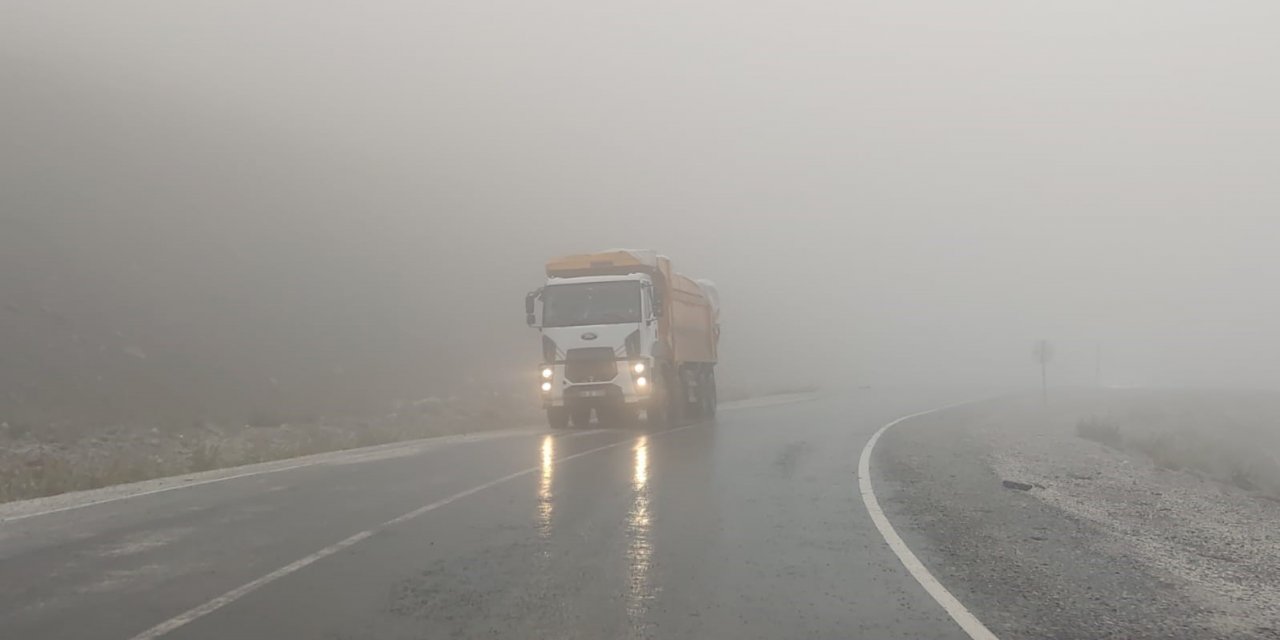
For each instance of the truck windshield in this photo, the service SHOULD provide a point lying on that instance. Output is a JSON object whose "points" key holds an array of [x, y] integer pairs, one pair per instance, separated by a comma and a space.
{"points": [[570, 305]]}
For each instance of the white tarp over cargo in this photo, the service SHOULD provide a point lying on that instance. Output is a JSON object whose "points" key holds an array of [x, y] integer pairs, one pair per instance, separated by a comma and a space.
{"points": [[713, 295], [647, 257]]}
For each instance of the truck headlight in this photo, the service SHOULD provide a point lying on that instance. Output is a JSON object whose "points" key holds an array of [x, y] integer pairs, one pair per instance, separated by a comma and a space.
{"points": [[546, 386], [638, 367], [642, 381], [547, 372]]}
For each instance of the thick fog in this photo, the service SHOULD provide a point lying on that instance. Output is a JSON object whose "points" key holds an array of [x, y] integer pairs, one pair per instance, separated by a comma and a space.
{"points": [[221, 207]]}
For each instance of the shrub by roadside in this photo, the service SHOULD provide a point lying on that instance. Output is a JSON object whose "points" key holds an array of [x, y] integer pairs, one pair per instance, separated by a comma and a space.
{"points": [[1099, 430], [1226, 456]]}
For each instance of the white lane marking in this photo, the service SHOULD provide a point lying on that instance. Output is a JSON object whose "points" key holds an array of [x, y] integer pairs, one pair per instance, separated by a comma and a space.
{"points": [[249, 587], [963, 617], [329, 457], [589, 432]]}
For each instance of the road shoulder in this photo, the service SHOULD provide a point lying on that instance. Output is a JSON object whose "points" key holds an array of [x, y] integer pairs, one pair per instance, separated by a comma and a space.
{"points": [[1026, 568], [33, 507]]}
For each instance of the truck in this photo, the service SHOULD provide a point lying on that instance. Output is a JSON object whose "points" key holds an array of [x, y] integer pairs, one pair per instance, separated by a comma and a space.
{"points": [[626, 338]]}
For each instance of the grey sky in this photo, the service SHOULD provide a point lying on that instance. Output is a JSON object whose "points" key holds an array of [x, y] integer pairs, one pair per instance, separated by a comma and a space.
{"points": [[892, 191]]}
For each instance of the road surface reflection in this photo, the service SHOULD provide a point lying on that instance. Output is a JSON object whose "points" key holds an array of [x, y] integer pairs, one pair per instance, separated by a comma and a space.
{"points": [[545, 502], [640, 547]]}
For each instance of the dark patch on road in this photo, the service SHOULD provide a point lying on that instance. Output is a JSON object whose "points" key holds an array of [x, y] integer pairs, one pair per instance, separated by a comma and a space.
{"points": [[790, 457]]}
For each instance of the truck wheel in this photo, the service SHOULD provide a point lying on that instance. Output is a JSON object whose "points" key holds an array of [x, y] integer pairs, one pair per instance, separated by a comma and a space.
{"points": [[658, 414], [558, 417], [677, 400], [581, 418], [693, 410]]}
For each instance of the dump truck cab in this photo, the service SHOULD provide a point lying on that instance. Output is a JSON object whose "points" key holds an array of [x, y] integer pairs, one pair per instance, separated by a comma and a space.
{"points": [[608, 344]]}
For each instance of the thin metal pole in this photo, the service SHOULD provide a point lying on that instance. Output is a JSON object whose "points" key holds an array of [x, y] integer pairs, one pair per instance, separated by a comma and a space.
{"points": [[1044, 382], [1097, 364]]}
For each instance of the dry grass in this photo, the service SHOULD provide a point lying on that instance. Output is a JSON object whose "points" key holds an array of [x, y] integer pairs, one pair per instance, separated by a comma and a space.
{"points": [[1100, 430], [1223, 453], [50, 474], [35, 464]]}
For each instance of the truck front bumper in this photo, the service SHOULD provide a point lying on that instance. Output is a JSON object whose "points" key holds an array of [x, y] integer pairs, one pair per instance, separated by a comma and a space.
{"points": [[595, 396]]}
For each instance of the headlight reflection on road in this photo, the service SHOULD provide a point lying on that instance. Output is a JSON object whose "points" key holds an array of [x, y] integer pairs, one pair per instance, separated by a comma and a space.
{"points": [[545, 503], [642, 464], [639, 548]]}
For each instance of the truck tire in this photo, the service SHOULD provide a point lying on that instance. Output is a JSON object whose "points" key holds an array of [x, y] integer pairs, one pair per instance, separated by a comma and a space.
{"points": [[693, 409], [703, 405], [677, 400], [658, 413], [581, 417], [558, 417]]}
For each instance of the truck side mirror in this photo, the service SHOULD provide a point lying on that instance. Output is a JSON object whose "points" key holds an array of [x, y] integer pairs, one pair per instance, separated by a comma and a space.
{"points": [[657, 307], [529, 299]]}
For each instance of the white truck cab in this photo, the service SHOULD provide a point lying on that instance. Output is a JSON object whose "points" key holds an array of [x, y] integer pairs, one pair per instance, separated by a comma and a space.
{"points": [[598, 337], [622, 335]]}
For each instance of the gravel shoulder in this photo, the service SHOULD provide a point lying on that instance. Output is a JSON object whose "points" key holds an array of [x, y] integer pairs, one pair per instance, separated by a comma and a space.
{"points": [[1107, 543]]}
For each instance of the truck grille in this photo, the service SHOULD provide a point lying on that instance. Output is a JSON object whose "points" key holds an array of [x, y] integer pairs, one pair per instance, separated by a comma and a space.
{"points": [[594, 364]]}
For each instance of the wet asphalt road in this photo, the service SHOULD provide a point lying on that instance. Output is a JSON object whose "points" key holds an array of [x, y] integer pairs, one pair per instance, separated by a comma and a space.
{"points": [[750, 526]]}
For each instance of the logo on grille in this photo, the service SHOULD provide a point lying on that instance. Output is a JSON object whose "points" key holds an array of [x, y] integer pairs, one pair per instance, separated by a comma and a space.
{"points": [[589, 336]]}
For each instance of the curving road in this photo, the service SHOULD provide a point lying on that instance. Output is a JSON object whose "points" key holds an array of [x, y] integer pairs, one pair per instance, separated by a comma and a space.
{"points": [[748, 527]]}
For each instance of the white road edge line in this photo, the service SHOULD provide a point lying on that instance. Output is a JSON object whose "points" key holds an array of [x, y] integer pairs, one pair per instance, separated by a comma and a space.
{"points": [[231, 596], [963, 617]]}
